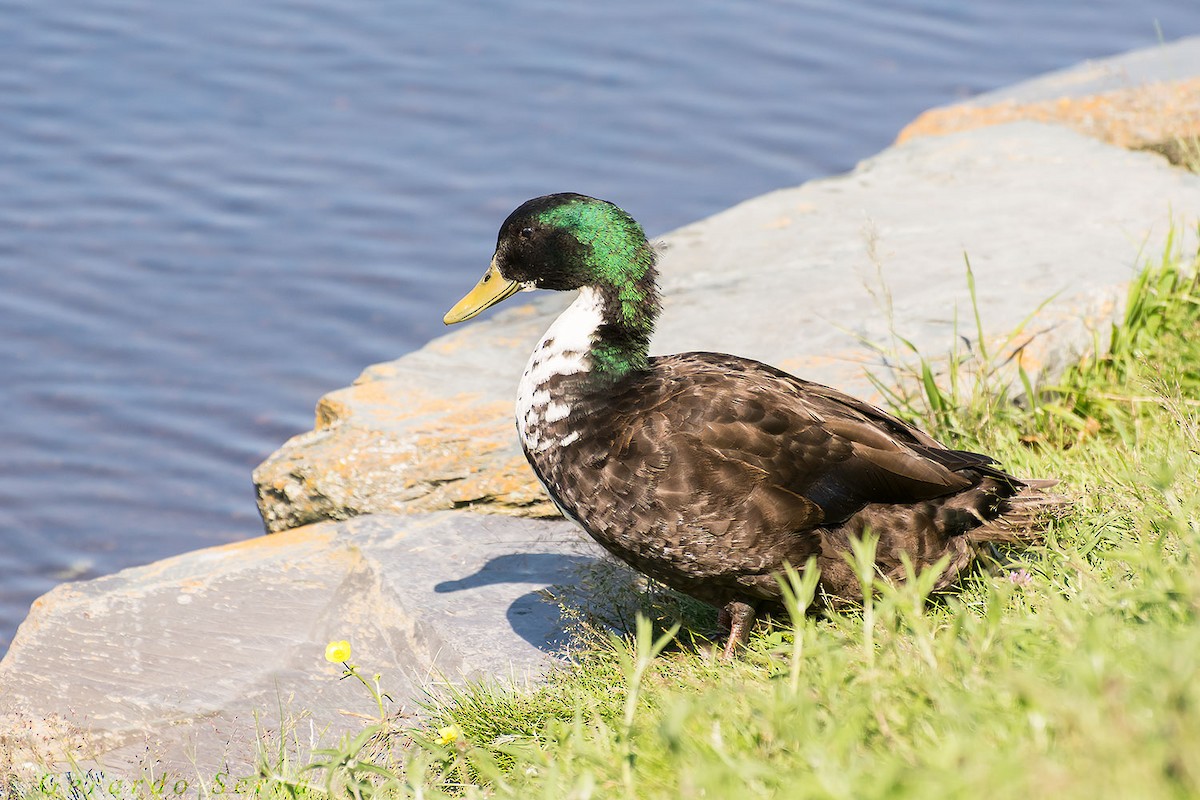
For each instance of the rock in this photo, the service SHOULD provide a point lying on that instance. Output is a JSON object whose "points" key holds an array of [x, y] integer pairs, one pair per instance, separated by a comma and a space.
{"points": [[170, 667], [792, 278], [1147, 98]]}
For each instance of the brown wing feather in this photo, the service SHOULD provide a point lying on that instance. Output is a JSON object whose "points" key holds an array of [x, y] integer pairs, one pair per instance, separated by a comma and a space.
{"points": [[812, 443]]}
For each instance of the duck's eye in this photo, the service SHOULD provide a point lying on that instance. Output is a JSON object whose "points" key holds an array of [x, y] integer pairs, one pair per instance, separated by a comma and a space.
{"points": [[526, 233]]}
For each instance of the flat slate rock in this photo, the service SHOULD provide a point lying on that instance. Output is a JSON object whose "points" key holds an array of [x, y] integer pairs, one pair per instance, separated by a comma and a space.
{"points": [[168, 669], [799, 278]]}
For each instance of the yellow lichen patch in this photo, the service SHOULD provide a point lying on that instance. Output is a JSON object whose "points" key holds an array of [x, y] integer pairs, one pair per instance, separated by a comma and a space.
{"points": [[1029, 360], [388, 399], [462, 410], [378, 372], [286, 539], [486, 473], [464, 338], [461, 453], [521, 343], [1130, 118], [330, 410], [511, 481]]}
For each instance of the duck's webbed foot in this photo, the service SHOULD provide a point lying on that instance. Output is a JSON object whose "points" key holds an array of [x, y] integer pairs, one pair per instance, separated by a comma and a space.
{"points": [[739, 617]]}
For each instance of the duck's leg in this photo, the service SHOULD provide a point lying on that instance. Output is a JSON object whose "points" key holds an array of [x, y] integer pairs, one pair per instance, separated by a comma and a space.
{"points": [[741, 620]]}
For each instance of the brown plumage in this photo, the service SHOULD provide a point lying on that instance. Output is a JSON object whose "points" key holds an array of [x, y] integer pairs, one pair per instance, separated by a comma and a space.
{"points": [[709, 472]]}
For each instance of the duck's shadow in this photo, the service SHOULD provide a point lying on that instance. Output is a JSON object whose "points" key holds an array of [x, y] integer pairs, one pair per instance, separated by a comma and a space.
{"points": [[532, 616]]}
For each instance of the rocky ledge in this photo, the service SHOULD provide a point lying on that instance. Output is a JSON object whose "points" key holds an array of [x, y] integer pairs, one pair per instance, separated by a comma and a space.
{"points": [[181, 667], [178, 667]]}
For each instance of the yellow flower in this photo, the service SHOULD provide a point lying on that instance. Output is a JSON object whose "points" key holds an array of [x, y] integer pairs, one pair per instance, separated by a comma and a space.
{"points": [[447, 735], [337, 652]]}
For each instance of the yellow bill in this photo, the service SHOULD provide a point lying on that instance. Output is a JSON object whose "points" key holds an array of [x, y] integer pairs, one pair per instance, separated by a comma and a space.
{"points": [[491, 289]]}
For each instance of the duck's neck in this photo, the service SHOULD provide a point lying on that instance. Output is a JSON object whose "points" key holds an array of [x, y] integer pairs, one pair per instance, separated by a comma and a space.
{"points": [[600, 340], [604, 335], [621, 341]]}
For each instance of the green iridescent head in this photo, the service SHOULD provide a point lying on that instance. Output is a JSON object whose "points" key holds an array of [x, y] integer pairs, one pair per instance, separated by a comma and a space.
{"points": [[567, 241]]}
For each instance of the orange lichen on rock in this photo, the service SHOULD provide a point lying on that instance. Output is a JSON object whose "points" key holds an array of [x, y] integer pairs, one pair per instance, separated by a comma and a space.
{"points": [[387, 399], [383, 446], [1131, 118]]}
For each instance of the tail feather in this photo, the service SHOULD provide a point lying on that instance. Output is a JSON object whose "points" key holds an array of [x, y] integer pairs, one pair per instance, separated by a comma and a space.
{"points": [[1024, 516]]}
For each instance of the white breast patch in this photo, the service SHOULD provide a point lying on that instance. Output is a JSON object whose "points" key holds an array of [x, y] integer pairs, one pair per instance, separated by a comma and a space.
{"points": [[562, 351]]}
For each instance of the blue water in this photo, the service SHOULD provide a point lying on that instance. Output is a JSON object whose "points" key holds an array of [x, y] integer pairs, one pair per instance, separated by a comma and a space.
{"points": [[213, 213]]}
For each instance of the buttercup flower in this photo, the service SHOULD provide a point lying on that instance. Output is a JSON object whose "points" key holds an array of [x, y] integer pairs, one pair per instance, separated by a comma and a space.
{"points": [[337, 652], [447, 735]]}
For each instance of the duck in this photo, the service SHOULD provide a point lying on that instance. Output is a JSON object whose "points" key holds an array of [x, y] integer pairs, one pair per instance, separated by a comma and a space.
{"points": [[710, 472]]}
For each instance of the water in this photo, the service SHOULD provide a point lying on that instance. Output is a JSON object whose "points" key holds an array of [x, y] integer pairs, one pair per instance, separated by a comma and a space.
{"points": [[213, 213]]}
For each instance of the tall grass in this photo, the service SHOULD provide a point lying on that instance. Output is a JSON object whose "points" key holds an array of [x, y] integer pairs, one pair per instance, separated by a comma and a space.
{"points": [[982, 391]]}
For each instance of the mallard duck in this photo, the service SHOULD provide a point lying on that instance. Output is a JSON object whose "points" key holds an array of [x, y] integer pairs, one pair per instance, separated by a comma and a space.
{"points": [[708, 472]]}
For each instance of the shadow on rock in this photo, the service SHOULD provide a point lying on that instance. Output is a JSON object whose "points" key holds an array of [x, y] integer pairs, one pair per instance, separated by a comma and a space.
{"points": [[531, 615], [541, 568]]}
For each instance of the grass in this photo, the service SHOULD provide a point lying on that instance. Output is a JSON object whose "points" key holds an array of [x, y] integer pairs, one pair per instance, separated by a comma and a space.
{"points": [[1073, 672]]}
